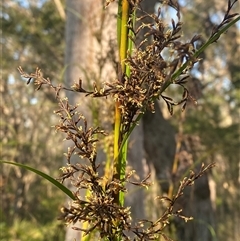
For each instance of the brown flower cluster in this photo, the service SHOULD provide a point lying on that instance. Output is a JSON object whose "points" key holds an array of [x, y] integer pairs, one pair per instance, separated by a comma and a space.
{"points": [[98, 208], [152, 65]]}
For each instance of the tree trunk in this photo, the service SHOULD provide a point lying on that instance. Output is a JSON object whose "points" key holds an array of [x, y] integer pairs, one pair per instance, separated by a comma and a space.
{"points": [[77, 59], [160, 146]]}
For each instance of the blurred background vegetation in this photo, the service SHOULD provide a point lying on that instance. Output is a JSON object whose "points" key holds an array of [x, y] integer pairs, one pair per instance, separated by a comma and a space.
{"points": [[33, 35]]}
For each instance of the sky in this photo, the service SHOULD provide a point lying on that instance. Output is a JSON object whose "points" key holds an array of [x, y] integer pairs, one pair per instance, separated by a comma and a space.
{"points": [[27, 3]]}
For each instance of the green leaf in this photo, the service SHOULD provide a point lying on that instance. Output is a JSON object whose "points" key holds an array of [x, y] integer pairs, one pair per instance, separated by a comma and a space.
{"points": [[45, 176]]}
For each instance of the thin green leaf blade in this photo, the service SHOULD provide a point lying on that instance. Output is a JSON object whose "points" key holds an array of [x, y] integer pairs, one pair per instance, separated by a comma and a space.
{"points": [[45, 176]]}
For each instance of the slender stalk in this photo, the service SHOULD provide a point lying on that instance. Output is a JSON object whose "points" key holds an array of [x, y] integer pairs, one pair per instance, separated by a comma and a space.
{"points": [[125, 45], [210, 41], [124, 34], [123, 16], [123, 150]]}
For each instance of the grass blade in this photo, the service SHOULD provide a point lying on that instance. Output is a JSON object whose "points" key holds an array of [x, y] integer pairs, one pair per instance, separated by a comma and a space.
{"points": [[43, 175]]}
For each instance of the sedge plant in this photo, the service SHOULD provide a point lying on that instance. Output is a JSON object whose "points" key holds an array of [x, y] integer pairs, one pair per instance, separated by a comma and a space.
{"points": [[144, 73]]}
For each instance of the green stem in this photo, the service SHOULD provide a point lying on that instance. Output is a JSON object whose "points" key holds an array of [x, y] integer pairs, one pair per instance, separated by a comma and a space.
{"points": [[211, 40], [120, 157]]}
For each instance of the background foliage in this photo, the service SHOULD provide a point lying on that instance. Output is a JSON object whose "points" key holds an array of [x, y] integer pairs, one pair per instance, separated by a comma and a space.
{"points": [[33, 35]]}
